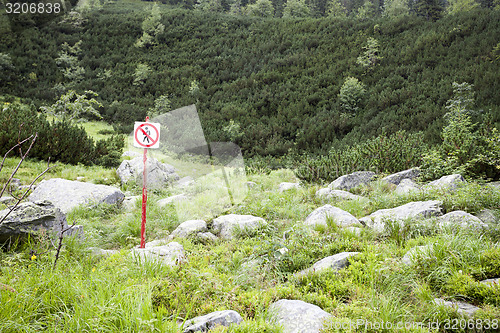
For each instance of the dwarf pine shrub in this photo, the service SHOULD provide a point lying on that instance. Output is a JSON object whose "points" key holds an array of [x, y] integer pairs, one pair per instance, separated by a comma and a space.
{"points": [[464, 286], [60, 141], [385, 153]]}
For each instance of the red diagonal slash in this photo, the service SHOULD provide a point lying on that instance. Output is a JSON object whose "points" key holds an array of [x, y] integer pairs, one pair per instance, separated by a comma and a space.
{"points": [[146, 134]]}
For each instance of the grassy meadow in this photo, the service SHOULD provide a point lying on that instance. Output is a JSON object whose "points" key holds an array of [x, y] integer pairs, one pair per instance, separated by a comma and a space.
{"points": [[88, 293]]}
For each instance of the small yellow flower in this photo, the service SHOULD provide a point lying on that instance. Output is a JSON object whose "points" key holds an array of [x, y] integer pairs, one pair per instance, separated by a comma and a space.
{"points": [[93, 269], [33, 257], [29, 265]]}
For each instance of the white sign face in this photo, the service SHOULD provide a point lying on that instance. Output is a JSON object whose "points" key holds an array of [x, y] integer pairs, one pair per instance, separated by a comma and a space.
{"points": [[146, 135]]}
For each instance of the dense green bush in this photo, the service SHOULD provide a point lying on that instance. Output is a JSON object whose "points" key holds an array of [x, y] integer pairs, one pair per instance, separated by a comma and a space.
{"points": [[391, 153], [279, 79], [108, 152], [490, 263], [467, 149], [59, 141], [464, 286]]}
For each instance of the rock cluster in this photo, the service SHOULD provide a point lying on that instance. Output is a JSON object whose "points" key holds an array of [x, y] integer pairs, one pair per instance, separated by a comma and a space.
{"points": [[292, 315], [160, 175], [67, 195], [29, 218]]}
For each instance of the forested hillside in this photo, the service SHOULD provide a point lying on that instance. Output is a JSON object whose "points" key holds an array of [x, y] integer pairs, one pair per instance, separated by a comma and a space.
{"points": [[269, 84]]}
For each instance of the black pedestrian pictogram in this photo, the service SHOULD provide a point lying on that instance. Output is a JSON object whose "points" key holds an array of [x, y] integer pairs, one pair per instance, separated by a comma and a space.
{"points": [[147, 134]]}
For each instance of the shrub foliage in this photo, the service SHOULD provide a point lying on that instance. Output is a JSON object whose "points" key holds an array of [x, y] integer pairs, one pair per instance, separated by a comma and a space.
{"points": [[392, 153], [60, 141]]}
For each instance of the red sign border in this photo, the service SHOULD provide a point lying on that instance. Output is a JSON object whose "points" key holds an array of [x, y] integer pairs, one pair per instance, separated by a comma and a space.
{"points": [[139, 128]]}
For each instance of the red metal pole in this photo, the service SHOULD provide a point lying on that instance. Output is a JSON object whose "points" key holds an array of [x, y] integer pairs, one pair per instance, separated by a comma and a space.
{"points": [[144, 196]]}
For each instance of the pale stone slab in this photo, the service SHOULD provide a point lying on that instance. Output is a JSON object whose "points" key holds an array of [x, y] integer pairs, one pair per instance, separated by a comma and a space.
{"points": [[225, 225], [410, 211], [67, 195], [211, 320], [297, 316], [339, 216], [352, 180]]}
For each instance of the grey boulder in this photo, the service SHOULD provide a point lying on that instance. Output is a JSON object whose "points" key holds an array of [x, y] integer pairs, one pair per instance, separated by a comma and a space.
{"points": [[29, 218], [7, 200], [206, 237], [461, 307], [174, 198], [352, 180], [211, 320], [288, 186], [170, 254], [159, 175], [129, 203], [189, 228], [460, 219], [487, 216], [337, 194], [494, 185], [396, 178], [185, 182], [335, 262], [410, 211], [67, 194], [449, 182], [339, 216], [406, 186], [225, 226], [251, 184], [157, 242], [491, 282], [298, 316], [417, 251]]}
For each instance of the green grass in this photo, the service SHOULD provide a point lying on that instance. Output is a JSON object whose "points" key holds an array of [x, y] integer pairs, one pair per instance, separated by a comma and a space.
{"points": [[98, 130], [248, 273], [30, 169]]}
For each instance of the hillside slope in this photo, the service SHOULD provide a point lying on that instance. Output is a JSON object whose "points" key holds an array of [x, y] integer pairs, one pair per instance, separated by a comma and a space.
{"points": [[279, 79]]}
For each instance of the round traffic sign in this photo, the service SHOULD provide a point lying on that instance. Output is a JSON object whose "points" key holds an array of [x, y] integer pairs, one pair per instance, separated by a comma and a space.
{"points": [[148, 139]]}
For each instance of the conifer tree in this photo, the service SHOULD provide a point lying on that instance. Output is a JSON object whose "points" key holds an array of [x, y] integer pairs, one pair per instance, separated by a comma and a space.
{"points": [[296, 8], [69, 63], [261, 8], [151, 27], [430, 9], [370, 57], [367, 11], [336, 9], [457, 6], [396, 8]]}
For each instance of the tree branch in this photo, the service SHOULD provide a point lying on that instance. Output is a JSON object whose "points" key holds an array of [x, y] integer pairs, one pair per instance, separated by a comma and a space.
{"points": [[11, 149], [61, 235], [27, 191], [23, 157]]}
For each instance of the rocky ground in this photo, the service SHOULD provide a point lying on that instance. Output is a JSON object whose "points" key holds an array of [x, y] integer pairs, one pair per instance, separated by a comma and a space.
{"points": [[348, 211]]}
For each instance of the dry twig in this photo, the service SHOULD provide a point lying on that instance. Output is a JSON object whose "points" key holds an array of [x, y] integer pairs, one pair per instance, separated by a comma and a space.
{"points": [[61, 236], [23, 157]]}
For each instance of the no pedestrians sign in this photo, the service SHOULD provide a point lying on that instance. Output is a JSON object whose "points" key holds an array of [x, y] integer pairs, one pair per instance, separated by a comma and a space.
{"points": [[146, 135]]}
